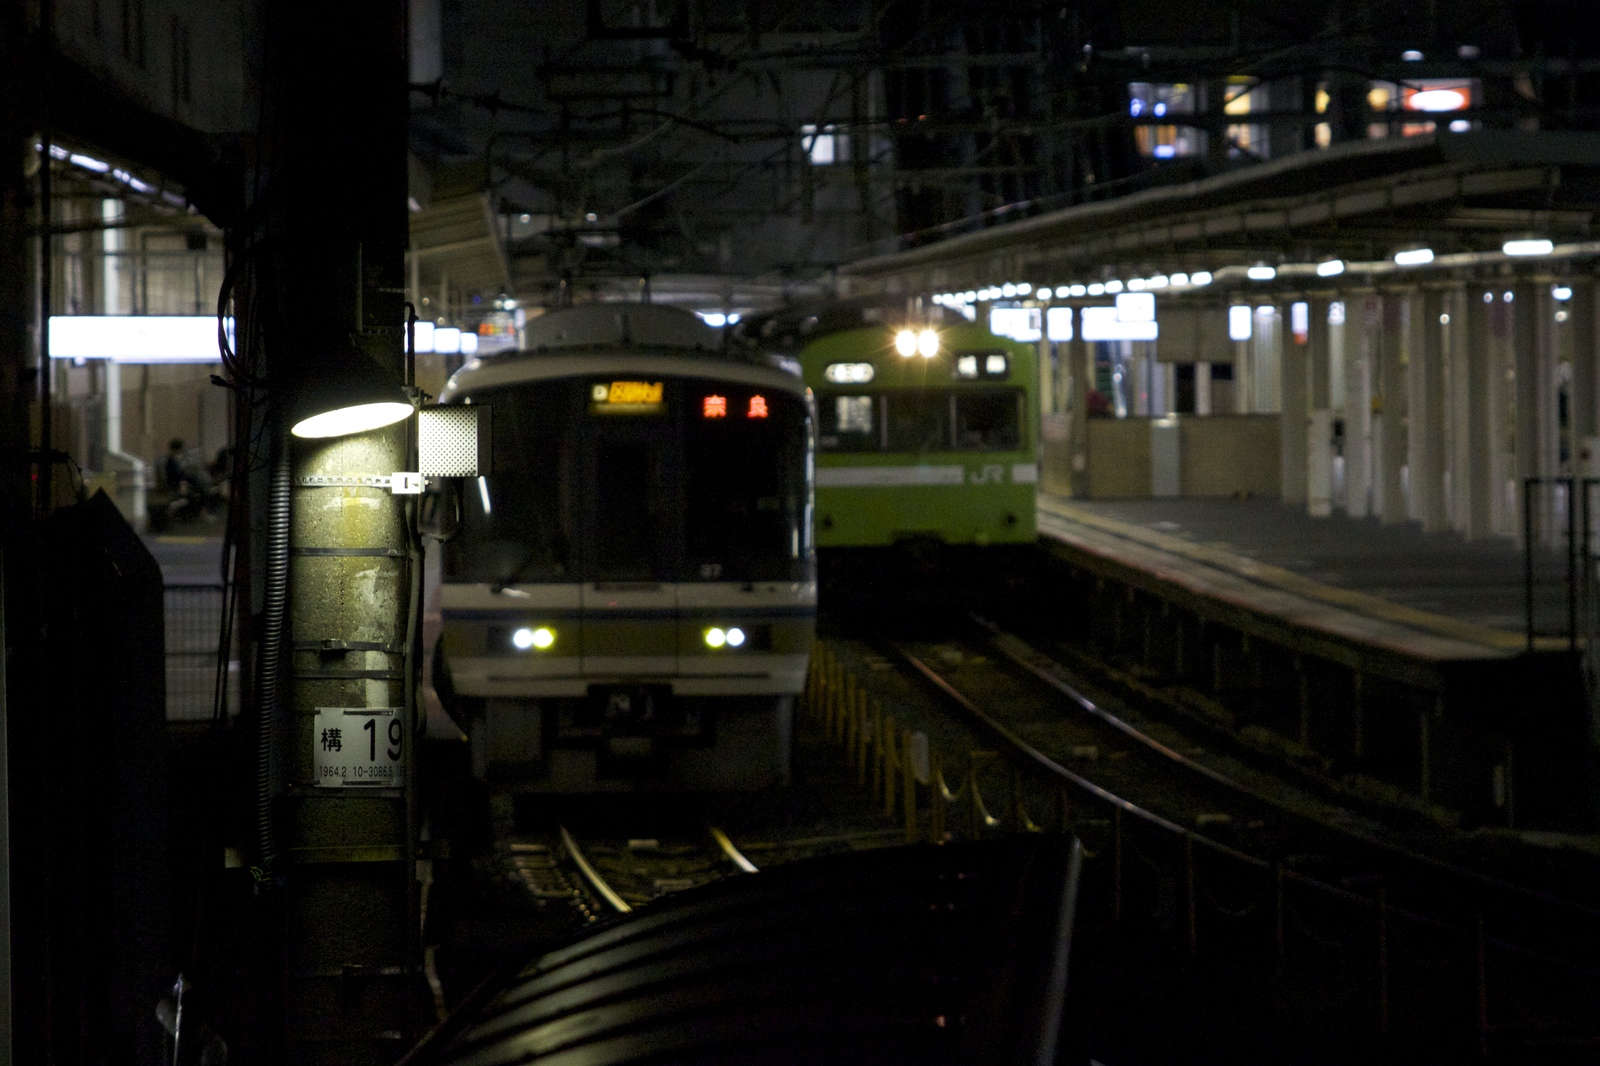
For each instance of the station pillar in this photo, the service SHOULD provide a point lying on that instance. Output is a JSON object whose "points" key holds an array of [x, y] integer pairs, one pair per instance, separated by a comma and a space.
{"points": [[1526, 367], [328, 281], [1361, 313], [1293, 411], [1319, 414], [1470, 429], [1425, 406], [1390, 435], [1585, 387]]}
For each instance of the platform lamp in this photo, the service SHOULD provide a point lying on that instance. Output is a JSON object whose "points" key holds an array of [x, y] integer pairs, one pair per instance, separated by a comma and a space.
{"points": [[344, 395]]}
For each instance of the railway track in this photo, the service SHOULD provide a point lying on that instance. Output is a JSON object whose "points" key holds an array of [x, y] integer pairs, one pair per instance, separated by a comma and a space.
{"points": [[1355, 925], [606, 876]]}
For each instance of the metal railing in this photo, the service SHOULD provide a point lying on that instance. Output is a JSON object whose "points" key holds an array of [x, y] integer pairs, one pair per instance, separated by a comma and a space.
{"points": [[193, 622], [1559, 512]]}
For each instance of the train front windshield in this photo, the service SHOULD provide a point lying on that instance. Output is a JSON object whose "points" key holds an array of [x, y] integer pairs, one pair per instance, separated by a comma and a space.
{"points": [[651, 480]]}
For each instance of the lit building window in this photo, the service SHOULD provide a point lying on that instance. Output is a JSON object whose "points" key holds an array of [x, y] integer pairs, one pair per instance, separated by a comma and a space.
{"points": [[825, 145], [1147, 100]]}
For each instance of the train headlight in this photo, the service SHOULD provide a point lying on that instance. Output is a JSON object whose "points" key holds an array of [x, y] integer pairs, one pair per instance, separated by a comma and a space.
{"points": [[540, 638], [717, 637], [928, 343], [905, 342]]}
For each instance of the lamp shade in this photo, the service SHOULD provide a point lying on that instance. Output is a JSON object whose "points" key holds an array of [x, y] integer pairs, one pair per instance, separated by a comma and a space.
{"points": [[343, 395]]}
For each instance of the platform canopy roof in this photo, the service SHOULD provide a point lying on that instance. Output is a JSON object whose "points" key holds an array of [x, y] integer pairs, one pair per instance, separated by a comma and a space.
{"points": [[1461, 195]]}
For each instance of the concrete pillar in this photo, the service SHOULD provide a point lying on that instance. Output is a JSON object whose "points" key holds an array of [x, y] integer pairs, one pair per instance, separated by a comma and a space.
{"points": [[1504, 516], [345, 881], [1390, 497], [1426, 401], [1584, 393], [1471, 473], [1047, 377], [1078, 359], [1202, 388], [1526, 366], [1583, 403], [1552, 518], [1293, 408], [1361, 318], [1319, 416]]}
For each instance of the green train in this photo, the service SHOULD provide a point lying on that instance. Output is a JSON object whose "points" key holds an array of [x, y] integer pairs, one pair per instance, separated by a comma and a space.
{"points": [[628, 598], [927, 430]]}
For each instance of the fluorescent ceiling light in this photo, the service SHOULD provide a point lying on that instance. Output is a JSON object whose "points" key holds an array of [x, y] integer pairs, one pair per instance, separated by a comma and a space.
{"points": [[1437, 100], [1261, 273], [137, 338], [1136, 307], [1414, 257], [1239, 323], [1202, 278], [1528, 246], [1102, 324], [1330, 269], [1058, 324]]}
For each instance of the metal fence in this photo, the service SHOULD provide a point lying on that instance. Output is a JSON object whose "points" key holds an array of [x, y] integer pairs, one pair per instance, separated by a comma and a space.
{"points": [[193, 622]]}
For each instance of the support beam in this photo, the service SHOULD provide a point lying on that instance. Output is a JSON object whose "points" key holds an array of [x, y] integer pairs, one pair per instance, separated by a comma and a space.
{"points": [[1504, 498], [1472, 461], [1425, 388], [1293, 408], [1525, 365], [1390, 497], [1360, 333], [1319, 416], [1584, 392]]}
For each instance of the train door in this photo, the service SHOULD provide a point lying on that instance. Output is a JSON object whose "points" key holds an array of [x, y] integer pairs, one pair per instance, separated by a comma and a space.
{"points": [[631, 554]]}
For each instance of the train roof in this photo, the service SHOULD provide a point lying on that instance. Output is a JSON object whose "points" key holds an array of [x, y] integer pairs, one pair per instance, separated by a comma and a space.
{"points": [[613, 325], [791, 327], [650, 337]]}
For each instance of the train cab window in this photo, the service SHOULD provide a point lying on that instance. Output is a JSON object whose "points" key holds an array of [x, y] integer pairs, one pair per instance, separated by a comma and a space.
{"points": [[849, 423], [628, 541], [517, 521], [919, 421], [744, 490], [989, 420]]}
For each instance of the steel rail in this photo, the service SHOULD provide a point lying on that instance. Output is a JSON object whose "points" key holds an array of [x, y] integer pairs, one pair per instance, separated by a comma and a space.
{"points": [[1422, 918], [1050, 766], [999, 636], [734, 855], [592, 875]]}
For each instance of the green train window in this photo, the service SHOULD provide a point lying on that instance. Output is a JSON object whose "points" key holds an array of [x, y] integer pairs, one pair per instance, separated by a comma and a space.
{"points": [[849, 423]]}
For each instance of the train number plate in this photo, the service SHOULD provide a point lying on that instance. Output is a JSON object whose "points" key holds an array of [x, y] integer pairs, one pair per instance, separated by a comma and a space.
{"points": [[359, 747], [631, 709]]}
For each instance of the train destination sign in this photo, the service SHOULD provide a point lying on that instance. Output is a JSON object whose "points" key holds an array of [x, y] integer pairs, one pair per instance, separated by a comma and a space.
{"points": [[627, 397]]}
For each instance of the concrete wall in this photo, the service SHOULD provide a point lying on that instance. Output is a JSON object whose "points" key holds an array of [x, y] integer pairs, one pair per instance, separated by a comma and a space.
{"points": [[1228, 454], [1119, 458], [1218, 455]]}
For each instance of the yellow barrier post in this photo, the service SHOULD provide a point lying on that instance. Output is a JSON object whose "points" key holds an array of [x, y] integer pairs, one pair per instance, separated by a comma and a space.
{"points": [[890, 737], [863, 737], [877, 746], [908, 781], [936, 798]]}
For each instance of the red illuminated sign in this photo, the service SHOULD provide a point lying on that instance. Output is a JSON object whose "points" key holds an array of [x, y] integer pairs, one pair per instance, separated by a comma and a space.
{"points": [[758, 407], [714, 407]]}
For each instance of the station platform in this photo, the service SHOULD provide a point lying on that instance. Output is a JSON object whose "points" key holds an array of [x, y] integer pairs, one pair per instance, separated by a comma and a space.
{"points": [[1432, 596], [1392, 662]]}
